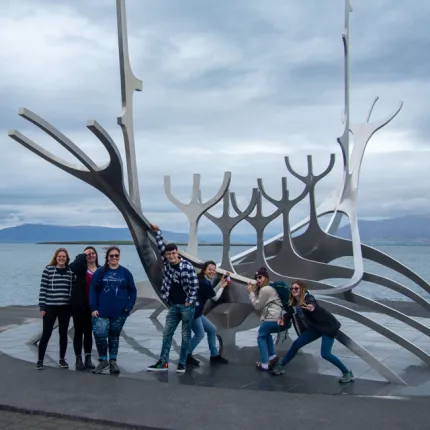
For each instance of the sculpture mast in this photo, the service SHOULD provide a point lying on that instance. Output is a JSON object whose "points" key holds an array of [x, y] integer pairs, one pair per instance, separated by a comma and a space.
{"points": [[129, 84]]}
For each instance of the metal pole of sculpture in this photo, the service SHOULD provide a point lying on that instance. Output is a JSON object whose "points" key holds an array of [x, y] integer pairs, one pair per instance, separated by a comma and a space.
{"points": [[226, 224], [110, 181], [129, 84], [196, 208]]}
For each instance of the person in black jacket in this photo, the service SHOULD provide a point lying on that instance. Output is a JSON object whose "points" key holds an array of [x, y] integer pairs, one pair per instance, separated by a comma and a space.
{"points": [[84, 266], [311, 321], [201, 324]]}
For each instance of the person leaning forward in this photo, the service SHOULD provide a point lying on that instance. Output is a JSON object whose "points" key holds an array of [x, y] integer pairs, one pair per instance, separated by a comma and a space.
{"points": [[179, 292]]}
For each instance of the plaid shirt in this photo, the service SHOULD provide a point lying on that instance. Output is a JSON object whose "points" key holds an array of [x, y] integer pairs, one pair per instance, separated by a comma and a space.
{"points": [[188, 276]]}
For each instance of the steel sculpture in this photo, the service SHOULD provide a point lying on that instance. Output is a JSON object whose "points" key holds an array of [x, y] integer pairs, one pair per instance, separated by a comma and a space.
{"points": [[196, 208], [226, 224], [304, 256]]}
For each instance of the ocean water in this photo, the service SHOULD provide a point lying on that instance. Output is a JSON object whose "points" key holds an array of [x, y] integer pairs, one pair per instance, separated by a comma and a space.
{"points": [[21, 267]]}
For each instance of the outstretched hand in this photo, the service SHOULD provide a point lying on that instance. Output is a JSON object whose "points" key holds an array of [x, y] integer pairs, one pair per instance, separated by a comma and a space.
{"points": [[154, 227], [309, 307]]}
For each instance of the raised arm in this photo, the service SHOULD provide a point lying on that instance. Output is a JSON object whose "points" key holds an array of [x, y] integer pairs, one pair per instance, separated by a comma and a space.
{"points": [[219, 289], [43, 289], [160, 241], [259, 301], [79, 265]]}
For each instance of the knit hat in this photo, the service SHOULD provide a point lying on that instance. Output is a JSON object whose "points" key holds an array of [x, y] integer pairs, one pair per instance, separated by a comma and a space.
{"points": [[262, 271]]}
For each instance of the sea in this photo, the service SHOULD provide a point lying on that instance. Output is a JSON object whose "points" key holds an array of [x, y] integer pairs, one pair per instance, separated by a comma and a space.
{"points": [[21, 267]]}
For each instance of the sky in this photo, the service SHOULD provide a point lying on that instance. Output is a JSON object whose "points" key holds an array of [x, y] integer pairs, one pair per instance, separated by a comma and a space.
{"points": [[227, 86]]}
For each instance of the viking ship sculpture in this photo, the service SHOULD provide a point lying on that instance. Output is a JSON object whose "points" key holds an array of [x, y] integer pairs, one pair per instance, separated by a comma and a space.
{"points": [[306, 256]]}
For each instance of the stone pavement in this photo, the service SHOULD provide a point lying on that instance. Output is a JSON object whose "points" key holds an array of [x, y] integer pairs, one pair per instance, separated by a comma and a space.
{"points": [[141, 343], [14, 420]]}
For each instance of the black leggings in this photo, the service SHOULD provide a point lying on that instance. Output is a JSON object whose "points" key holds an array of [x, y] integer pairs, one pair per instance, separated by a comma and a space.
{"points": [[52, 313], [83, 329]]}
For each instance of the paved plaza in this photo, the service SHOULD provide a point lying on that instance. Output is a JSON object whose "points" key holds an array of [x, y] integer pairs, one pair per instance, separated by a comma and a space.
{"points": [[141, 343]]}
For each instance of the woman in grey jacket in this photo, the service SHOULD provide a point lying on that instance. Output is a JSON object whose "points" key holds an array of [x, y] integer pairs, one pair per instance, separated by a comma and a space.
{"points": [[265, 299]]}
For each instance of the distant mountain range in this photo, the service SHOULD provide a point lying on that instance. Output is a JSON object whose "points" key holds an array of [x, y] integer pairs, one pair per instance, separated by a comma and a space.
{"points": [[403, 230]]}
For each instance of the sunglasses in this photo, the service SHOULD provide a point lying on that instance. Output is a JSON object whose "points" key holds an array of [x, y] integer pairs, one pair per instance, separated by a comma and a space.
{"points": [[259, 277], [295, 289], [114, 256]]}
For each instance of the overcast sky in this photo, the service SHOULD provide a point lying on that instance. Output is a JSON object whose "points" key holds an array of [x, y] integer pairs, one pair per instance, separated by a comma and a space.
{"points": [[227, 86]]}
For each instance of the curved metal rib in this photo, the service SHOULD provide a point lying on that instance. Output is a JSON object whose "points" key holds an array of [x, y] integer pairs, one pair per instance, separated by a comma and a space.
{"points": [[384, 331], [365, 355], [226, 223], [196, 208], [129, 84]]}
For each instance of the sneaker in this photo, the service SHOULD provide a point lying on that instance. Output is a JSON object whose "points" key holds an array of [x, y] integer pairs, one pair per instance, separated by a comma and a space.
{"points": [[193, 361], [180, 368], [279, 369], [101, 367], [39, 365], [259, 366], [273, 362], [79, 364], [346, 378], [113, 367], [63, 364], [88, 362], [218, 359], [159, 366]]}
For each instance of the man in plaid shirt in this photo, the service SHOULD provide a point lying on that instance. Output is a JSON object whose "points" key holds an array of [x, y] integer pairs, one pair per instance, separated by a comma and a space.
{"points": [[179, 291]]}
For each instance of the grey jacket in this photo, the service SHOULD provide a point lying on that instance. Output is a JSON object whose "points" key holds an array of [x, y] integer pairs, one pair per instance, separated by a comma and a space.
{"points": [[268, 303]]}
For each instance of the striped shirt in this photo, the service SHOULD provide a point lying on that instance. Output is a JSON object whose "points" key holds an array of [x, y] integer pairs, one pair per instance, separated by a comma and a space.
{"points": [[188, 277], [55, 287]]}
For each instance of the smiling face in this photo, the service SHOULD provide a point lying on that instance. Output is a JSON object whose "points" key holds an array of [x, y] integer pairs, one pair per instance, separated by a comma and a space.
{"points": [[295, 290], [210, 271], [61, 259], [113, 258], [91, 256], [172, 256]]}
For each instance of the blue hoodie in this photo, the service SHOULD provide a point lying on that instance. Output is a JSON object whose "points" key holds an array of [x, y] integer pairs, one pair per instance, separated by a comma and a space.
{"points": [[112, 292]]}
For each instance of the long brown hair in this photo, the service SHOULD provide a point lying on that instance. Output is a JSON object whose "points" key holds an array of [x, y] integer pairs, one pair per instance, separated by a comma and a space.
{"points": [[54, 258], [303, 290], [95, 251]]}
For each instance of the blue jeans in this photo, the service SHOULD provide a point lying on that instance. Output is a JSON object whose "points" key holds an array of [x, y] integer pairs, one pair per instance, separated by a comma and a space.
{"points": [[106, 333], [175, 315], [309, 336], [265, 340], [199, 327]]}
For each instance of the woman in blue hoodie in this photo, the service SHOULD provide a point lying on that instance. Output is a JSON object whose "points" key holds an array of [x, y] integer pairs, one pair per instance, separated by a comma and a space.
{"points": [[112, 297]]}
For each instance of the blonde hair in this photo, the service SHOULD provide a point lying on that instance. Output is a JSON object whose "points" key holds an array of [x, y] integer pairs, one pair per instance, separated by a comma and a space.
{"points": [[293, 301], [54, 258]]}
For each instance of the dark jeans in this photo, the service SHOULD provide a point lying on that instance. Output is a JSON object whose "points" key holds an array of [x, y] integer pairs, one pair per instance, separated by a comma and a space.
{"points": [[83, 331], [175, 315], [326, 345], [106, 333], [52, 313]]}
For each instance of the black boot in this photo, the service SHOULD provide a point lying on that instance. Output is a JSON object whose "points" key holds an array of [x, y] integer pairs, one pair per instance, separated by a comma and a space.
{"points": [[88, 363], [79, 364]]}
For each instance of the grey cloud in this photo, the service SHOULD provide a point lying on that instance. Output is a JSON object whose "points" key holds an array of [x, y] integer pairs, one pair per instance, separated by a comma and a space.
{"points": [[252, 84]]}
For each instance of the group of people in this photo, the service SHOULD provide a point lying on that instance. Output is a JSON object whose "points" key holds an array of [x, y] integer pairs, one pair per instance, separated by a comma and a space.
{"points": [[100, 298]]}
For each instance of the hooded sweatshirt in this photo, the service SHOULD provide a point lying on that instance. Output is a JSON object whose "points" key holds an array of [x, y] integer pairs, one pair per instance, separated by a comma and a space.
{"points": [[55, 287], [113, 292]]}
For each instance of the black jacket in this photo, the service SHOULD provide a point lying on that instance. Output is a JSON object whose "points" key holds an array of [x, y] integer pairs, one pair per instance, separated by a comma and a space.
{"points": [[320, 319], [78, 299]]}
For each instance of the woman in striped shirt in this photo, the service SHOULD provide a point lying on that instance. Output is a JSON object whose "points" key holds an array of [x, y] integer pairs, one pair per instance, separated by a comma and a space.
{"points": [[54, 301]]}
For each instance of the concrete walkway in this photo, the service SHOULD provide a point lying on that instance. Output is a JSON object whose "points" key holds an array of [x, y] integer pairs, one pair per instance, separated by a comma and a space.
{"points": [[145, 404]]}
